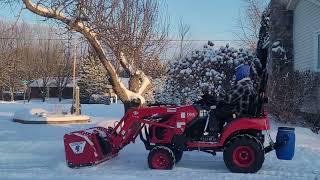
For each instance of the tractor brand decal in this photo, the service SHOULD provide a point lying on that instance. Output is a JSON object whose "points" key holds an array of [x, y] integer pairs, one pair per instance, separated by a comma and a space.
{"points": [[180, 124], [77, 147], [191, 115], [183, 115], [172, 110], [123, 132], [135, 113]]}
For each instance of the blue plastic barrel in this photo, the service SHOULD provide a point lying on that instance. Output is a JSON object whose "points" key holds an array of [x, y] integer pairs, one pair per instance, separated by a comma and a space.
{"points": [[286, 139]]}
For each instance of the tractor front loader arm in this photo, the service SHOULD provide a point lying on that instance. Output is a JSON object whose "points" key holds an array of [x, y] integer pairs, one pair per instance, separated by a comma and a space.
{"points": [[131, 125]]}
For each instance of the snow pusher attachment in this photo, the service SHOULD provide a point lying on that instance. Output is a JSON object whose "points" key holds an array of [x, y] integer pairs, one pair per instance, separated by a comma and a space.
{"points": [[88, 147]]}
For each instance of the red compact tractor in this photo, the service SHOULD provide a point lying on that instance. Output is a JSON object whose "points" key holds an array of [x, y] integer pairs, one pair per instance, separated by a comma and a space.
{"points": [[168, 130]]}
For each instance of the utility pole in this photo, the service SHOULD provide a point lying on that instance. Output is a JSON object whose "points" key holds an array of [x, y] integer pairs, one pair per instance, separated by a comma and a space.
{"points": [[77, 100], [76, 97], [74, 70]]}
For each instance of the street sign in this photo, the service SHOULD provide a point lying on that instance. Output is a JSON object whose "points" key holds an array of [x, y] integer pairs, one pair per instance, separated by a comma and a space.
{"points": [[24, 82]]}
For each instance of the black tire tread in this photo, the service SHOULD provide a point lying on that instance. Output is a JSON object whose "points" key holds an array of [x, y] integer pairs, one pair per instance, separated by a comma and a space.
{"points": [[178, 155], [244, 139], [164, 149]]}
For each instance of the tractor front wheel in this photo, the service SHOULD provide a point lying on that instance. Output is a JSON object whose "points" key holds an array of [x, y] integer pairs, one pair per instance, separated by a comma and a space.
{"points": [[244, 154], [161, 157]]}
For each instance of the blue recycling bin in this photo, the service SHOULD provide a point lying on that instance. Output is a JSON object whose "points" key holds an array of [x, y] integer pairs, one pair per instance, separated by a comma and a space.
{"points": [[286, 139]]}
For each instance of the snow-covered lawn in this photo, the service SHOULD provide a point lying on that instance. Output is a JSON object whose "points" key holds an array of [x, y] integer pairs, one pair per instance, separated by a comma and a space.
{"points": [[37, 152]]}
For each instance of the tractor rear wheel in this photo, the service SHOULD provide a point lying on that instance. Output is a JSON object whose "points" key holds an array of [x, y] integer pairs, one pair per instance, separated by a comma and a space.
{"points": [[244, 154], [161, 157]]}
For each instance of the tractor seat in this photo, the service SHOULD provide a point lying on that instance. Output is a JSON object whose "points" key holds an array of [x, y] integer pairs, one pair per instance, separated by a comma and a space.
{"points": [[255, 106]]}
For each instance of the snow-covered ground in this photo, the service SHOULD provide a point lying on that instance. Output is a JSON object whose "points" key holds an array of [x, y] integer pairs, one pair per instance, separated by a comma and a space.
{"points": [[36, 152]]}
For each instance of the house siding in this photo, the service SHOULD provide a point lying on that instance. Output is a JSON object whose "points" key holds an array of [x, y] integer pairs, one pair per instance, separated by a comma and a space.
{"points": [[306, 22]]}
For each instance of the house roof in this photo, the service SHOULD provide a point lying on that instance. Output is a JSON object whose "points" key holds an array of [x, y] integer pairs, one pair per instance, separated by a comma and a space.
{"points": [[292, 4], [51, 83]]}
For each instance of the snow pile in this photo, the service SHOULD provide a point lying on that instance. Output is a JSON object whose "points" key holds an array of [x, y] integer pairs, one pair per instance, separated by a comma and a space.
{"points": [[38, 115], [279, 55], [207, 68], [277, 48], [35, 114]]}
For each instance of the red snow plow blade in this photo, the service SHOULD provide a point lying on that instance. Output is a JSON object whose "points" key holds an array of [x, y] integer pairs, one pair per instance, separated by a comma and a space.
{"points": [[88, 147]]}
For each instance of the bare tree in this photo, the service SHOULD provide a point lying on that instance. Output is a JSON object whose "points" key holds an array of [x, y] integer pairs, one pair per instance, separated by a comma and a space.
{"points": [[63, 69], [4, 47], [184, 30], [29, 52], [44, 68], [131, 29], [249, 22], [14, 65], [16, 57]]}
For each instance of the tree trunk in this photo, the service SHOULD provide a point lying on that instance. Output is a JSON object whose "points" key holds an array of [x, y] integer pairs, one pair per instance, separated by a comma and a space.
{"points": [[12, 93], [130, 104], [29, 94], [43, 95], [2, 96], [60, 95], [1, 91]]}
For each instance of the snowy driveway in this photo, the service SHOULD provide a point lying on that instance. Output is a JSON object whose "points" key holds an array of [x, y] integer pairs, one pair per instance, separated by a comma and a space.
{"points": [[37, 152]]}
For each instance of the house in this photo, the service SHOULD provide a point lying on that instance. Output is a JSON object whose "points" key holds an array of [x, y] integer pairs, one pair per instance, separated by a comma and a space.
{"points": [[295, 30], [306, 34], [36, 87]]}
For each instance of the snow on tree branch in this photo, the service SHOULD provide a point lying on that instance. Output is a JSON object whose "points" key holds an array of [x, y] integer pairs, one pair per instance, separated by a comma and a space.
{"points": [[209, 68]]}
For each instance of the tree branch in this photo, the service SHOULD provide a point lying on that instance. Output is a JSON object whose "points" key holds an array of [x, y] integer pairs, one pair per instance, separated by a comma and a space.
{"points": [[125, 64]]}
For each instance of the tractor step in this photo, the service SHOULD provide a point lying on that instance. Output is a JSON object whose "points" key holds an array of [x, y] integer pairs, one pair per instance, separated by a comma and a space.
{"points": [[209, 139]]}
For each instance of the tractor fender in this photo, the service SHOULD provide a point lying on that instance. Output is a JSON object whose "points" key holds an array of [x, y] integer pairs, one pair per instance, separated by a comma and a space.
{"points": [[249, 132], [244, 125], [242, 135]]}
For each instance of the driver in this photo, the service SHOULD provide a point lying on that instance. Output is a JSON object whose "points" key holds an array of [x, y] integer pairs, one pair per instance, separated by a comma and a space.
{"points": [[236, 103]]}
